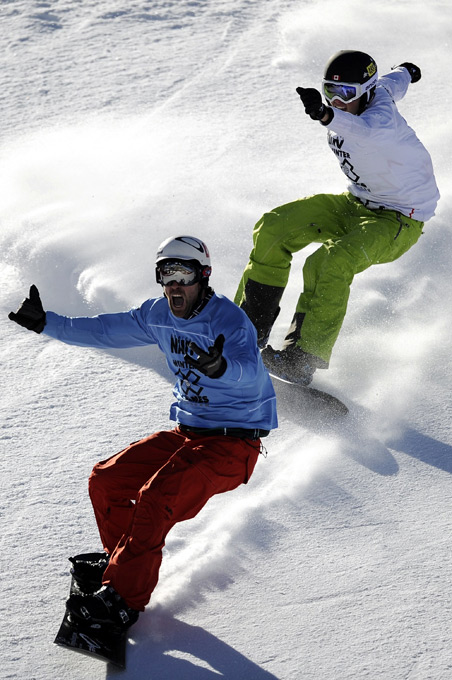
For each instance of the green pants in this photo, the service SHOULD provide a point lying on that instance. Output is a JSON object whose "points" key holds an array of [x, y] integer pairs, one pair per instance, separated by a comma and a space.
{"points": [[353, 238]]}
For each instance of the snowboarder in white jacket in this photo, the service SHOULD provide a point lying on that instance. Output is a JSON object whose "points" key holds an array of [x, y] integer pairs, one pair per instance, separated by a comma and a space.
{"points": [[391, 193]]}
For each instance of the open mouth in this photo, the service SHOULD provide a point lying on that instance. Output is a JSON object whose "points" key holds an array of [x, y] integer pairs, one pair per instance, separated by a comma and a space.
{"points": [[177, 301]]}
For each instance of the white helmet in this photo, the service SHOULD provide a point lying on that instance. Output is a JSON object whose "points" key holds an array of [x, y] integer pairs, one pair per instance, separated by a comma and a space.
{"points": [[185, 248]]}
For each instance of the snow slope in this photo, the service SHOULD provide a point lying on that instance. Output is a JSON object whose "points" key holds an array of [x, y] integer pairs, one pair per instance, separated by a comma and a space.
{"points": [[124, 122]]}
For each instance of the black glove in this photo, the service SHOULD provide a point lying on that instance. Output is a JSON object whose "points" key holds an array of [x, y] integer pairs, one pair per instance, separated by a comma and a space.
{"points": [[212, 363], [413, 70], [30, 314], [313, 105]]}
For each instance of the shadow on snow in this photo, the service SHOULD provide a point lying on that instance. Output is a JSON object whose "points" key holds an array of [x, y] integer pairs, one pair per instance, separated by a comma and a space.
{"points": [[165, 648]]}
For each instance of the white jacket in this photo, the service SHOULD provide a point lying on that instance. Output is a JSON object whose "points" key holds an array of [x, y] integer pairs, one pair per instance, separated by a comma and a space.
{"points": [[381, 155]]}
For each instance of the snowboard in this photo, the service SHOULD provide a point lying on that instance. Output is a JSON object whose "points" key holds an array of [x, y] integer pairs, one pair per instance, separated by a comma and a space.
{"points": [[106, 644], [305, 398]]}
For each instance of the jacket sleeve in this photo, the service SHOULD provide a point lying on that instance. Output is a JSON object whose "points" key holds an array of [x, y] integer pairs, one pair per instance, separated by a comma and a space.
{"points": [[242, 356], [121, 330], [396, 82]]}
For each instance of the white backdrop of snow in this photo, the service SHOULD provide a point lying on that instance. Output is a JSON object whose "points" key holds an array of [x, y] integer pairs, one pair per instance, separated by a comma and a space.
{"points": [[126, 122]]}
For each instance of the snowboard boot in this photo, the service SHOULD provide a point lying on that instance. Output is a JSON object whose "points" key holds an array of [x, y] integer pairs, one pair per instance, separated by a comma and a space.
{"points": [[292, 364], [88, 569], [261, 305], [294, 332], [104, 609]]}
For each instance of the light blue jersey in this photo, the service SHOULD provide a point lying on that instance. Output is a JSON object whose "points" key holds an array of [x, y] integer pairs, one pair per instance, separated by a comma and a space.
{"points": [[242, 397]]}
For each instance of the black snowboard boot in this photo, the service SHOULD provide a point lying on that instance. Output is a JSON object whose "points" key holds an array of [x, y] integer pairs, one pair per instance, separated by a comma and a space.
{"points": [[105, 608], [88, 569], [261, 304], [292, 364]]}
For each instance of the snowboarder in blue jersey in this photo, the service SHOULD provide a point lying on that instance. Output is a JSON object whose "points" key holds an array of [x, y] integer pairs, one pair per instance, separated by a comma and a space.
{"points": [[391, 193], [224, 404]]}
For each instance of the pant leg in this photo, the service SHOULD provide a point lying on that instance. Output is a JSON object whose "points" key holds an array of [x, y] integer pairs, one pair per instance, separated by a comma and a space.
{"points": [[199, 469], [114, 484], [278, 234], [374, 237], [286, 230]]}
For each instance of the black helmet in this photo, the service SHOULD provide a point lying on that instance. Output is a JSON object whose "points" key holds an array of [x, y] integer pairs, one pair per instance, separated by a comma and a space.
{"points": [[351, 68]]}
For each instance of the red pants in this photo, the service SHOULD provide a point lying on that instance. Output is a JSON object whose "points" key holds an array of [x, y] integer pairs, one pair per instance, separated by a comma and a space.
{"points": [[139, 494]]}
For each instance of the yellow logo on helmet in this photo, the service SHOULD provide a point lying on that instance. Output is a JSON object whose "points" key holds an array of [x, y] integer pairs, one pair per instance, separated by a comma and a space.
{"points": [[371, 69]]}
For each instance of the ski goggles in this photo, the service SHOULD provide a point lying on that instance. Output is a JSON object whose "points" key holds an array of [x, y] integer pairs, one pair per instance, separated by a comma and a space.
{"points": [[175, 271], [346, 92]]}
